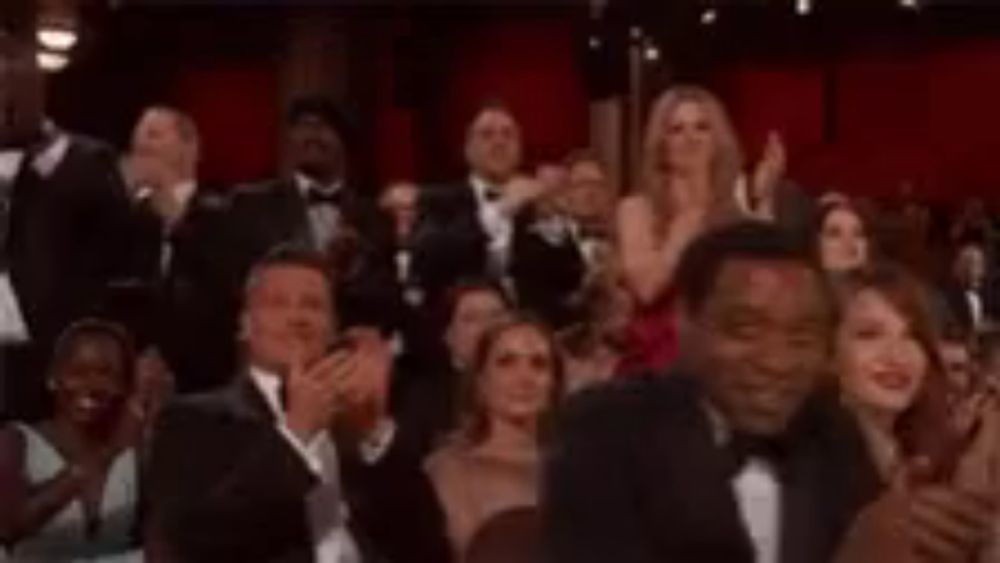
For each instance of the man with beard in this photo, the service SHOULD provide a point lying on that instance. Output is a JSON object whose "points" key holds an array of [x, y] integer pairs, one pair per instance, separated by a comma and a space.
{"points": [[318, 205]]}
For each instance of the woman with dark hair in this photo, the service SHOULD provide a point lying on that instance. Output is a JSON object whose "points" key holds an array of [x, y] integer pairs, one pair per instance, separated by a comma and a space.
{"points": [[493, 462], [892, 379], [842, 238], [74, 476]]}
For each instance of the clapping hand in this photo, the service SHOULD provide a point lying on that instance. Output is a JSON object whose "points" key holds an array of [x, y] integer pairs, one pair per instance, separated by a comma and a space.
{"points": [[768, 173]]}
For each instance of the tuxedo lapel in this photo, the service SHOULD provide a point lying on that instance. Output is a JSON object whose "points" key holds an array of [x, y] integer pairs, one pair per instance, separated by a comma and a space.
{"points": [[695, 500], [245, 400]]}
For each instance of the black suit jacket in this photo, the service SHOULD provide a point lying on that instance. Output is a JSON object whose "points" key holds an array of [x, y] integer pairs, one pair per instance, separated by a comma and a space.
{"points": [[959, 309], [270, 213], [225, 485], [636, 477], [68, 239], [189, 309], [448, 242], [547, 274]]}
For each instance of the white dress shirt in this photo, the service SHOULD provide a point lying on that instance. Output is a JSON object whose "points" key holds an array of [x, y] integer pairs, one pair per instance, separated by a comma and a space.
{"points": [[975, 301], [499, 227], [324, 220], [757, 489], [182, 193], [326, 509]]}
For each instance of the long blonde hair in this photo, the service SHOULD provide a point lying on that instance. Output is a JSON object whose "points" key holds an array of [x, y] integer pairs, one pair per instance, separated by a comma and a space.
{"points": [[727, 160]]}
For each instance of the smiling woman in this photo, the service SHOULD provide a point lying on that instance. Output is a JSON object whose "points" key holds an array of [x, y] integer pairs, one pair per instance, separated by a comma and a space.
{"points": [[76, 487]]}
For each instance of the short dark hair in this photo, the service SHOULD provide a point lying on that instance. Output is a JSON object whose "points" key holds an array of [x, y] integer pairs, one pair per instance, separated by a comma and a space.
{"points": [[323, 107], [457, 292], [66, 344], [702, 261], [291, 255], [488, 105]]}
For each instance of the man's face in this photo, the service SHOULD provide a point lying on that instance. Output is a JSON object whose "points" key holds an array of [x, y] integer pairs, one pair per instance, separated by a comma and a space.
{"points": [[289, 317], [474, 314], [493, 146], [971, 266], [22, 93], [158, 137], [760, 342], [317, 149]]}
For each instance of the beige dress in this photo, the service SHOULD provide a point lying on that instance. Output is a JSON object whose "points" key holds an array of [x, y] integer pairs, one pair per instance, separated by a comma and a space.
{"points": [[473, 486]]}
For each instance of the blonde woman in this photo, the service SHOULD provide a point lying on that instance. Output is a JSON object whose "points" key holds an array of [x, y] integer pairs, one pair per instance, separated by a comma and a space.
{"points": [[691, 178]]}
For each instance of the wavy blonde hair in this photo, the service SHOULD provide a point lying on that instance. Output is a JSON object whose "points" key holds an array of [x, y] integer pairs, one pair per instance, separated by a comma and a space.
{"points": [[727, 160]]}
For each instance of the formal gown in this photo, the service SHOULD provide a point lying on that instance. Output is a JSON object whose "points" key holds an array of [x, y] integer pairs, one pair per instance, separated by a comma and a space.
{"points": [[63, 538], [473, 488], [651, 337]]}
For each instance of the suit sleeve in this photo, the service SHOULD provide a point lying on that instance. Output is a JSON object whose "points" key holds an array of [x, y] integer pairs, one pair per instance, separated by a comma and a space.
{"points": [[223, 489], [394, 504], [590, 503]]}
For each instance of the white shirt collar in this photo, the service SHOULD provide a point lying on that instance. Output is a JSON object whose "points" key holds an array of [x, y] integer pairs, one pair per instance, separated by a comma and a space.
{"points": [[49, 158], [269, 384], [305, 183], [480, 187], [44, 163]]}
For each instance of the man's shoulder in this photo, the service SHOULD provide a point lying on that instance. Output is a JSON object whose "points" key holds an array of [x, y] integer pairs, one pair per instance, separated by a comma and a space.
{"points": [[262, 189], [632, 404]]}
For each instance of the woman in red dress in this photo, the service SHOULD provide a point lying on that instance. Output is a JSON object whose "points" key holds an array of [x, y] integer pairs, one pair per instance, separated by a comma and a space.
{"points": [[691, 169]]}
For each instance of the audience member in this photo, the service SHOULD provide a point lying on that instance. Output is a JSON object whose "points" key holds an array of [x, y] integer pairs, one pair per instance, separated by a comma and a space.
{"points": [[958, 359], [297, 459], [74, 477], [969, 292], [188, 311], [691, 161], [893, 381], [547, 264], [842, 239], [318, 205], [494, 462], [63, 229], [425, 394], [743, 459], [466, 230]]}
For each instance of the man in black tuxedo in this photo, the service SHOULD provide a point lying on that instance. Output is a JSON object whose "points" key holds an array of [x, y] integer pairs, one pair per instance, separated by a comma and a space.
{"points": [[183, 305], [969, 294], [736, 456], [465, 229], [318, 205], [64, 220], [296, 460]]}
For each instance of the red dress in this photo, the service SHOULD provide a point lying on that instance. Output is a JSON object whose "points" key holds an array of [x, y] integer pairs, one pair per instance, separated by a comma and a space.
{"points": [[651, 337]]}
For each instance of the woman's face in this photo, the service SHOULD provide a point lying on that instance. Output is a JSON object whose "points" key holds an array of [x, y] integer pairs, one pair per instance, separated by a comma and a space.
{"points": [[516, 385], [689, 141], [89, 387], [880, 362], [842, 241]]}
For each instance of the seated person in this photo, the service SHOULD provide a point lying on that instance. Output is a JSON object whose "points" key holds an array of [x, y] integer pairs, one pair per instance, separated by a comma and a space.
{"points": [[297, 459], [72, 480], [494, 460]]}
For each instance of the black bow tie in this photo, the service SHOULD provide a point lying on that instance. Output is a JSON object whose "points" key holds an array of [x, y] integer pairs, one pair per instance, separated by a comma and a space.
{"points": [[318, 196], [744, 447], [493, 194]]}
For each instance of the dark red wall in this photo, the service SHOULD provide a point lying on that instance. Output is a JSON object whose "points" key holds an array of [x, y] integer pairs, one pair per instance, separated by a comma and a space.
{"points": [[867, 122], [530, 65]]}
